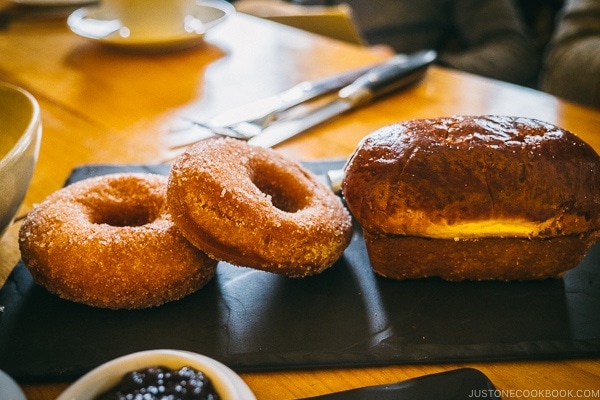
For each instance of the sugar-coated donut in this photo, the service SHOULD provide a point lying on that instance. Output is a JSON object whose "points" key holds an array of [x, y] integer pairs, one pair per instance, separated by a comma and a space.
{"points": [[110, 242], [252, 207]]}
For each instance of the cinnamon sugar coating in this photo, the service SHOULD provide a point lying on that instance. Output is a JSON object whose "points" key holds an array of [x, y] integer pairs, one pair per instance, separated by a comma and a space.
{"points": [[109, 242], [252, 207]]}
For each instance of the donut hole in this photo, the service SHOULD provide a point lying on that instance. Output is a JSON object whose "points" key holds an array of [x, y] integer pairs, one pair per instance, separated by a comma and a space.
{"points": [[286, 192], [124, 201], [120, 216], [123, 211]]}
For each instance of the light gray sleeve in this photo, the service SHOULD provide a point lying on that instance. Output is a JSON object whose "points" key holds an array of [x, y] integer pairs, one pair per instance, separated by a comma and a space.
{"points": [[571, 68], [496, 42]]}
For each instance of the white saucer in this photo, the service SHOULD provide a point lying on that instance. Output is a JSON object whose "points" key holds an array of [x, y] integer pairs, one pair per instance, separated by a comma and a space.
{"points": [[53, 2], [94, 23], [9, 388]]}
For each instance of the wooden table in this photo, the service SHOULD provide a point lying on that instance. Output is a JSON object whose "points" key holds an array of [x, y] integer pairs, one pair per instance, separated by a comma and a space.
{"points": [[100, 105]]}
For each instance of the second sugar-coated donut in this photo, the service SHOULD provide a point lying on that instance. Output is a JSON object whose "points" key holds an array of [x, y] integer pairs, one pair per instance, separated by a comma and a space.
{"points": [[109, 242], [252, 207]]}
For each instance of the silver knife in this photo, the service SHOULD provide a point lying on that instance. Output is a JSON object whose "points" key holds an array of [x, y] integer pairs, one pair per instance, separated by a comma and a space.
{"points": [[270, 106], [398, 72]]}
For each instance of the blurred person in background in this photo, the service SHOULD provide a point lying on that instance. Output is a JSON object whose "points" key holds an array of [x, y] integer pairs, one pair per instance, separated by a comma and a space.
{"points": [[571, 67], [484, 37]]}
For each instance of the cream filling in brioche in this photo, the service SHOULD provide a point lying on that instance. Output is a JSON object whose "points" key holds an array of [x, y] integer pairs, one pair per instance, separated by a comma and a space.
{"points": [[519, 228], [478, 229]]}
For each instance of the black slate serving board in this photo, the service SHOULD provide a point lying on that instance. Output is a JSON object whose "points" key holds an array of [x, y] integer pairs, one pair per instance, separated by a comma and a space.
{"points": [[346, 316]]}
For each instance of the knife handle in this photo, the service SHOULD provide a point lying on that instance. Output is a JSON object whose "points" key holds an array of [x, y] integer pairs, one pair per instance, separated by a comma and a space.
{"points": [[308, 90], [398, 72], [462, 383]]}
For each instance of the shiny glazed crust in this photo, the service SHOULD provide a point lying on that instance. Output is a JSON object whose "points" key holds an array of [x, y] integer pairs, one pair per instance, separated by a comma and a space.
{"points": [[492, 176], [487, 197], [109, 242], [251, 207]]}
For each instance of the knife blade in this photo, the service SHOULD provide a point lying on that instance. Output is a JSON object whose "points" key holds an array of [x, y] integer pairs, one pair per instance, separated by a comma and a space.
{"points": [[398, 72], [287, 99], [459, 384]]}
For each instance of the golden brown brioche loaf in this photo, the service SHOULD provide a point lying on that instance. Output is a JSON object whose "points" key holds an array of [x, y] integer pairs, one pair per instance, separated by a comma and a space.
{"points": [[474, 197]]}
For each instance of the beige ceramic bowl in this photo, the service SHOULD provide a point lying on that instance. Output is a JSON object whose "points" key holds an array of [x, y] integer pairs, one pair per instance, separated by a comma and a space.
{"points": [[226, 382], [20, 136]]}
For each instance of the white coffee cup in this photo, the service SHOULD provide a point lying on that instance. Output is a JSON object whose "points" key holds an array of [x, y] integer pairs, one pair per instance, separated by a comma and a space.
{"points": [[150, 17]]}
